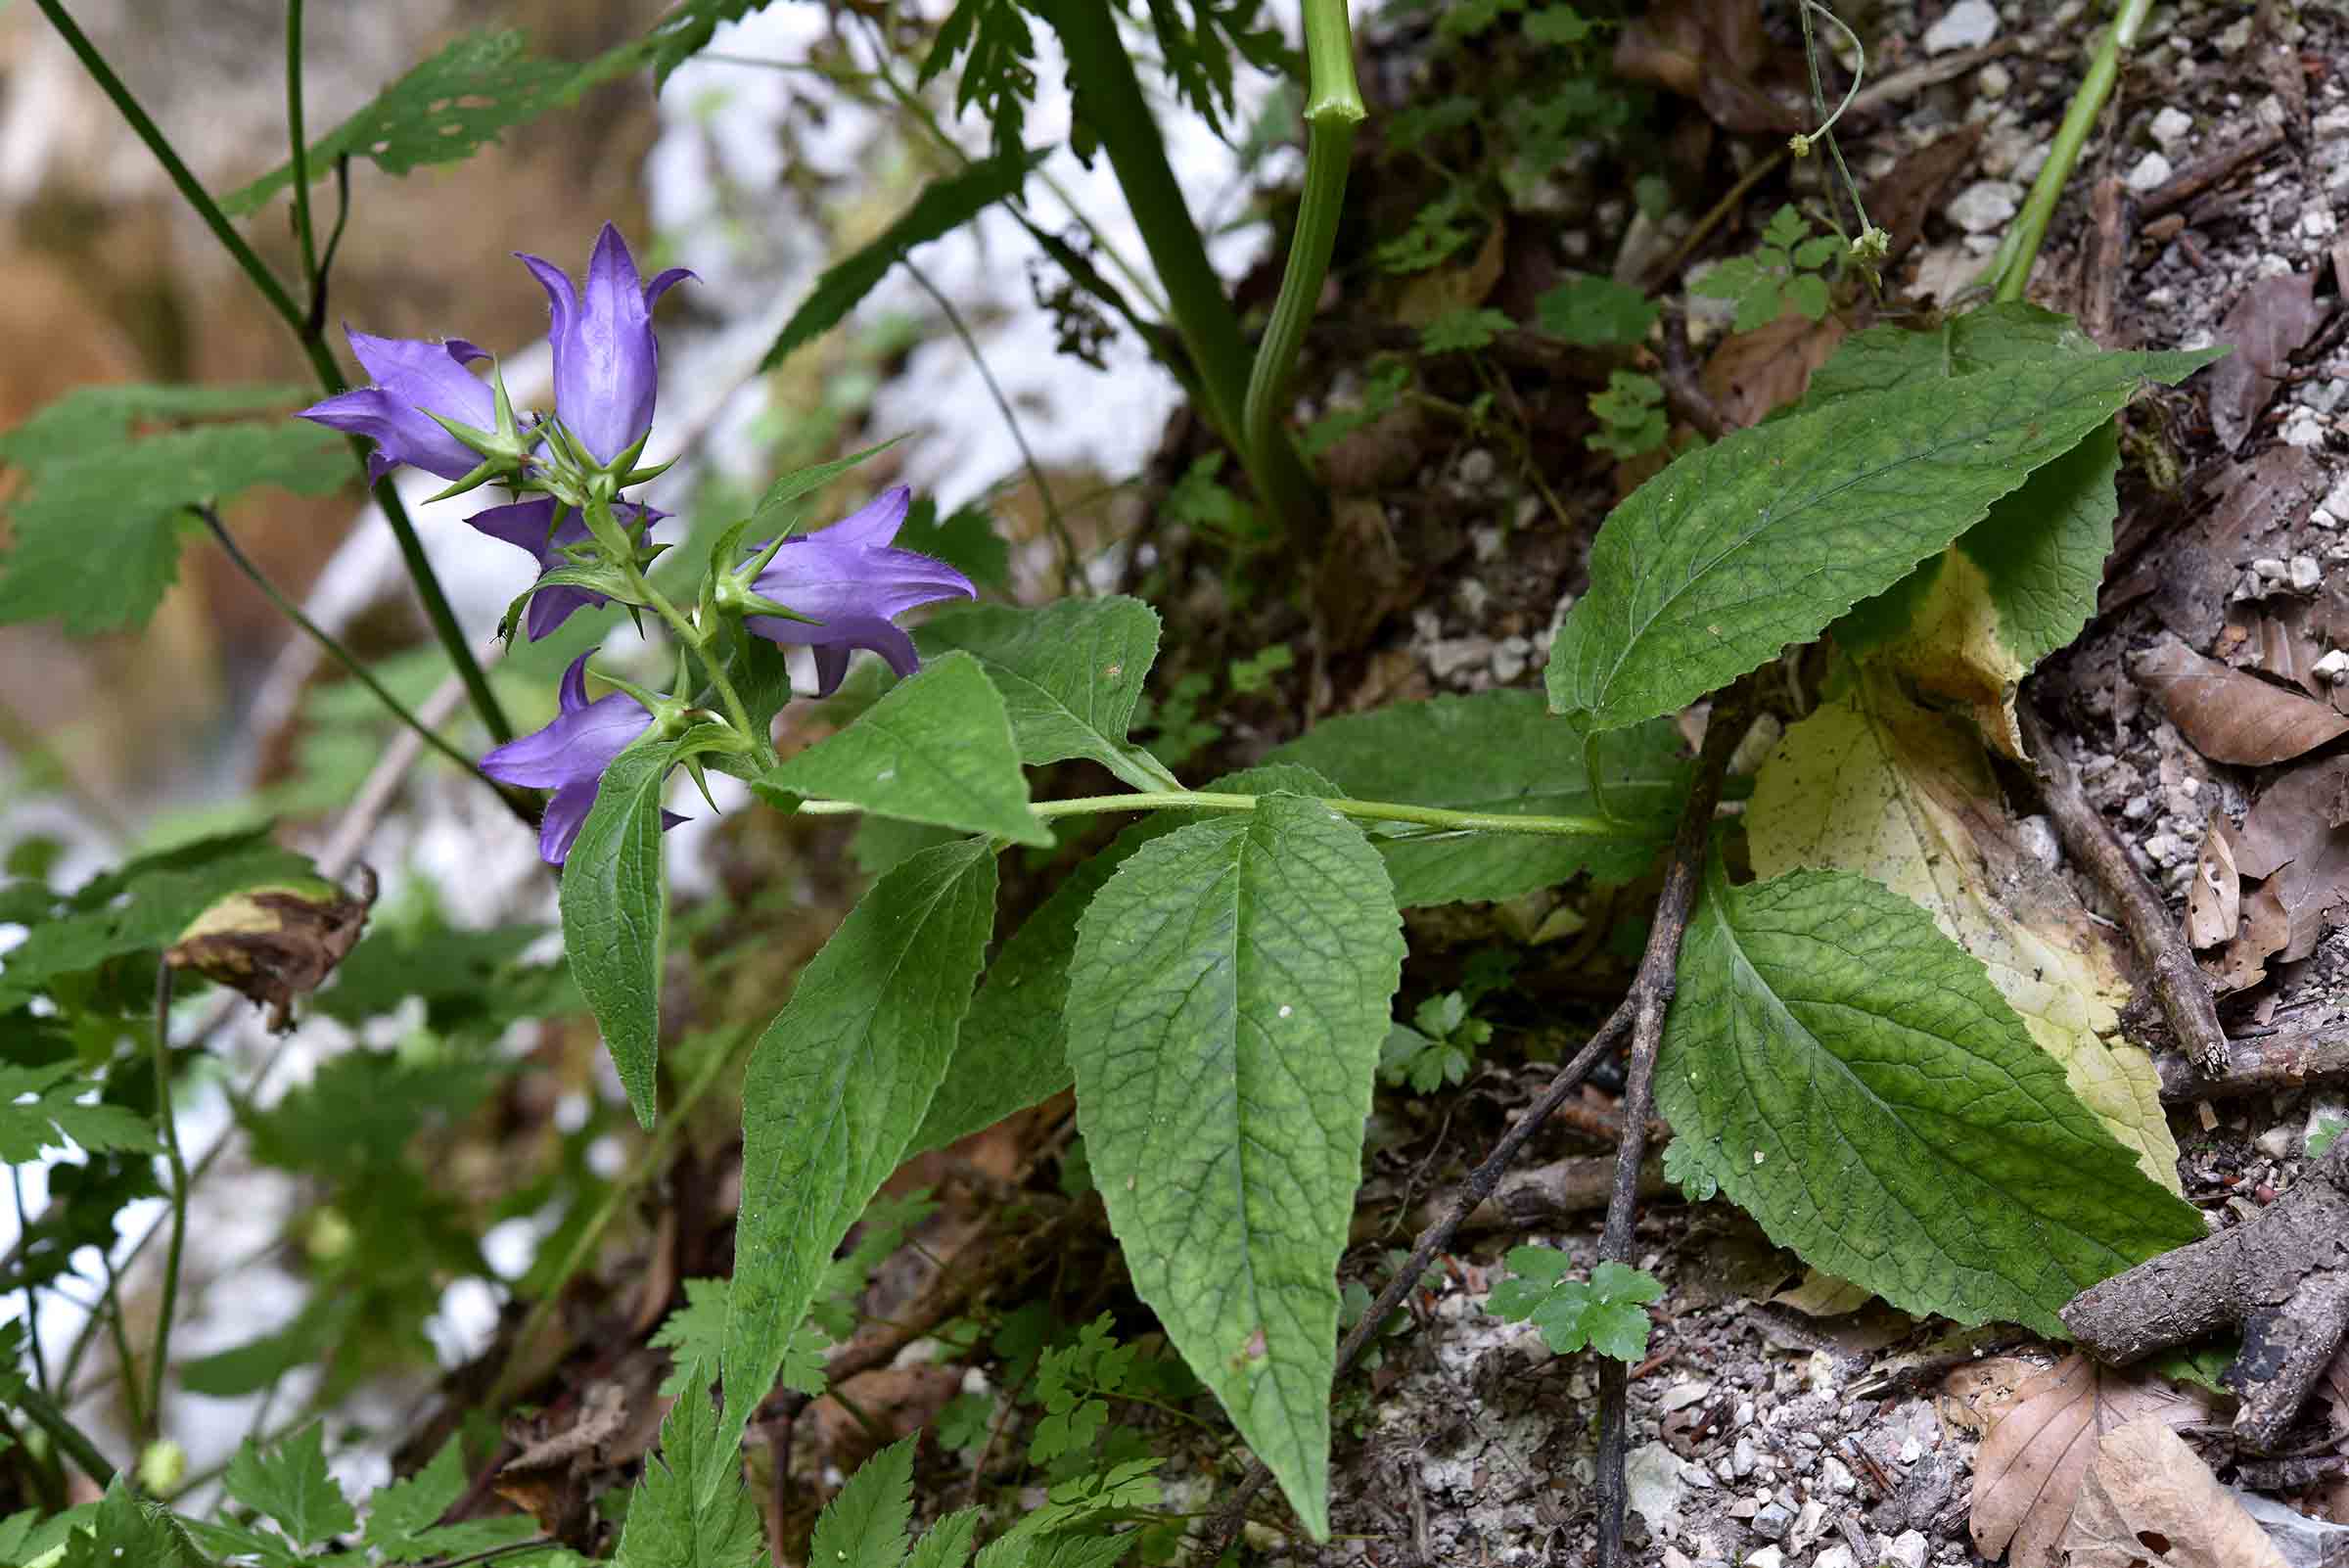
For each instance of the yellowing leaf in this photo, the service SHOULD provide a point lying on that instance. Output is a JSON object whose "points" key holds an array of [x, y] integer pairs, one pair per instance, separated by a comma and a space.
{"points": [[1953, 647], [1876, 784]]}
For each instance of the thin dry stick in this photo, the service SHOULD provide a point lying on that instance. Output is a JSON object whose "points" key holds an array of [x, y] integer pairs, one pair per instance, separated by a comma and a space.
{"points": [[2159, 941], [1654, 980]]}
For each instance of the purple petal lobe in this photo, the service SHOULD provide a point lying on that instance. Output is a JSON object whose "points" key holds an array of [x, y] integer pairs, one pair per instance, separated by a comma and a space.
{"points": [[606, 361], [855, 583], [566, 813]]}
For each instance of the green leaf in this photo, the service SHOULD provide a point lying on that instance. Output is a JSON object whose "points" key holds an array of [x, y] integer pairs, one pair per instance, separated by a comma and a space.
{"points": [[936, 749], [837, 1086], [403, 1518], [1013, 1050], [1069, 675], [1226, 1006], [446, 108], [123, 1529], [1851, 1078], [1996, 337], [1606, 1313], [1595, 311], [685, 31], [945, 204], [1763, 537], [1500, 751], [1459, 331], [1556, 26], [1000, 74], [290, 1485], [948, 1543], [965, 541], [96, 526], [695, 1334], [614, 903], [771, 516], [40, 1108], [257, 1362], [691, 1510], [864, 1525]]}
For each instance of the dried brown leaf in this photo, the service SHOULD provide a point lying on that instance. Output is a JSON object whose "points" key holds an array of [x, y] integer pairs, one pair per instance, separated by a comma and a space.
{"points": [[2296, 836], [1754, 372], [1713, 51], [1822, 1295], [2231, 715], [2272, 320], [1911, 189], [2267, 929], [1977, 1394], [2150, 1500], [2214, 900], [2029, 1470]]}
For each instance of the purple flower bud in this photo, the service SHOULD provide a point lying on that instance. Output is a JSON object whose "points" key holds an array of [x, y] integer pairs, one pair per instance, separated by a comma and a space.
{"points": [[606, 361], [413, 376], [524, 523], [570, 756], [850, 578]]}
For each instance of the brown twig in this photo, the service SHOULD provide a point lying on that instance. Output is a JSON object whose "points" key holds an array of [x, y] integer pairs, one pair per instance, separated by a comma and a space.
{"points": [[2159, 941], [2290, 1059], [1683, 385], [1653, 982], [2204, 172]]}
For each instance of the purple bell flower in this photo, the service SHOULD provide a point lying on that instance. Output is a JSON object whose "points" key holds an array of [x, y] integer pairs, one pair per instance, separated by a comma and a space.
{"points": [[855, 585], [524, 523], [413, 376], [570, 756], [606, 361]]}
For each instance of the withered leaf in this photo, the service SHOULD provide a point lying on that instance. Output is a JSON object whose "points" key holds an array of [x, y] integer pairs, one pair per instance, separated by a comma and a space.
{"points": [[2150, 1500], [1713, 51], [1911, 190], [276, 941], [2272, 320], [2267, 929], [2231, 715], [2295, 837], [2028, 1473], [2214, 900], [548, 1479], [1754, 372]]}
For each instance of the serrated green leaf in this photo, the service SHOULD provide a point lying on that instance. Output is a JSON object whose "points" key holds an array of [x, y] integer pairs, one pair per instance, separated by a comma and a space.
{"points": [[123, 1528], [290, 1485], [686, 30], [695, 1334], [403, 1518], [1606, 1313], [1459, 330], [1500, 751], [1226, 1007], [1594, 311], [773, 513], [40, 1108], [1850, 1077], [945, 204], [1763, 537], [445, 109], [864, 1525], [1013, 1051], [1996, 337], [837, 1086], [1069, 675], [614, 903], [691, 1510], [936, 749], [948, 1543], [95, 529]]}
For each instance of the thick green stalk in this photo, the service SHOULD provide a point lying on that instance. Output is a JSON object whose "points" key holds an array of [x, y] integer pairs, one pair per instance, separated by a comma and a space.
{"points": [[72, 1442], [1111, 100], [1428, 817], [2010, 269], [1331, 113], [300, 163], [322, 360], [179, 1194]]}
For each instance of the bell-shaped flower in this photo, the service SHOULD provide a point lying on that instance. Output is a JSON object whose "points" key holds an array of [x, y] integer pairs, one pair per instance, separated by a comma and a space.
{"points": [[570, 756], [414, 379], [526, 524], [606, 361], [853, 584]]}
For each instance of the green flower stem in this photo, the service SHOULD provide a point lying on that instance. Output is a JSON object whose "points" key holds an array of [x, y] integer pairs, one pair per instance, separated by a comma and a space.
{"points": [[1331, 114], [518, 800], [177, 1161], [70, 1440], [1102, 73], [299, 162], [692, 636], [2010, 268], [1428, 817], [322, 362]]}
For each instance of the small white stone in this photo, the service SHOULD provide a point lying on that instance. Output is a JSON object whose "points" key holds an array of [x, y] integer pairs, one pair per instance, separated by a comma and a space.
{"points": [[1912, 1451], [1741, 1457], [1838, 1475], [2270, 572], [2038, 836], [1986, 204], [2278, 1142], [2172, 126], [1992, 80], [2316, 222], [2303, 428], [1674, 1557], [1908, 1548], [2337, 502], [1836, 1556], [1681, 1396], [2151, 171], [2306, 576], [1967, 24], [1767, 1557], [2332, 667]]}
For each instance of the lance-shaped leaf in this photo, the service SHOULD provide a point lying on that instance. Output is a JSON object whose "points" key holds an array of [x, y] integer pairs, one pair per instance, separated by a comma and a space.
{"points": [[1763, 538], [936, 749], [1225, 1010], [1069, 675], [1500, 751], [836, 1085], [615, 905], [945, 204], [1850, 1077]]}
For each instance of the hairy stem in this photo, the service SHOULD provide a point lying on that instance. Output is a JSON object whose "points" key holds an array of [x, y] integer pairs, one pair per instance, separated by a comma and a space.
{"points": [[2010, 268], [1331, 113], [313, 345], [1428, 817]]}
